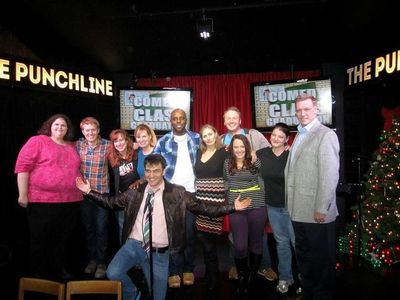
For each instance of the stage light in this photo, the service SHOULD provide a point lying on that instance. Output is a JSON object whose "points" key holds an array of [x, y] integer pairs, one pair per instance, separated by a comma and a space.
{"points": [[205, 27]]}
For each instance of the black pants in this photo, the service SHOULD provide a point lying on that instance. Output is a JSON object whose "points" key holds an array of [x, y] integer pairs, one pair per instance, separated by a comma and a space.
{"points": [[209, 244], [50, 225], [316, 258]]}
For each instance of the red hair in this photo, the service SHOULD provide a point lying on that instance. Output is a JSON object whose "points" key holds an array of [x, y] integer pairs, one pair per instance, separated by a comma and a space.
{"points": [[113, 155]]}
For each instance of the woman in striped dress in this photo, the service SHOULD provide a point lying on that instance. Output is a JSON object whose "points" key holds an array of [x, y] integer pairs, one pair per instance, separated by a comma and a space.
{"points": [[241, 177], [210, 190]]}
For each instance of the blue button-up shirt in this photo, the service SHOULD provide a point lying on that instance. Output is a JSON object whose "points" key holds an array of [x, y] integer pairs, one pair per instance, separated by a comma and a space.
{"points": [[168, 148], [300, 137]]}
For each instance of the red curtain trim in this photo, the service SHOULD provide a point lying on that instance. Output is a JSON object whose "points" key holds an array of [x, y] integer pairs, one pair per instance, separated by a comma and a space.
{"points": [[212, 94]]}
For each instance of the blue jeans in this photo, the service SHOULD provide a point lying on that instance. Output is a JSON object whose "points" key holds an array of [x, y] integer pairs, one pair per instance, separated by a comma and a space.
{"points": [[95, 221], [184, 262], [132, 254], [284, 236]]}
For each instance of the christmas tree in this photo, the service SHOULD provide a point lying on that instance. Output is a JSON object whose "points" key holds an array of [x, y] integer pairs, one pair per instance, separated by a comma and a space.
{"points": [[377, 225]]}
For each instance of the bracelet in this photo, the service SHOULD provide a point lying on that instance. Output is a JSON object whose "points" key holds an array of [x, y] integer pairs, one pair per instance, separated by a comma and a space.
{"points": [[88, 191]]}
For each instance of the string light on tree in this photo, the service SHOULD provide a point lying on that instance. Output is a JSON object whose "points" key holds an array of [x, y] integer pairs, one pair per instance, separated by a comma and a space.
{"points": [[380, 218]]}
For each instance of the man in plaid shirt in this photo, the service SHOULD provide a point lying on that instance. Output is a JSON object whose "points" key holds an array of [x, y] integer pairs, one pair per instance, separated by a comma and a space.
{"points": [[94, 168]]}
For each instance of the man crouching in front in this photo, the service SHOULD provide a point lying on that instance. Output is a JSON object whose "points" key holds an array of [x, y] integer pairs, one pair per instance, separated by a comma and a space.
{"points": [[167, 204]]}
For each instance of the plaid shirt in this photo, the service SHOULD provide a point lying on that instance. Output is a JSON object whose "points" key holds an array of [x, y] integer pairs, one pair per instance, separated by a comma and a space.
{"points": [[168, 148], [94, 164]]}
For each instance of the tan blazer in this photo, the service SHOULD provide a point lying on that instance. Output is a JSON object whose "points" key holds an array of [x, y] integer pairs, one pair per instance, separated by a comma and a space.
{"points": [[312, 175]]}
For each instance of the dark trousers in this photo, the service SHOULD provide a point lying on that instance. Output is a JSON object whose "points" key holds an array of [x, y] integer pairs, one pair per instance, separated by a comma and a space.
{"points": [[50, 226], [95, 220], [184, 261], [209, 244], [316, 258], [247, 227]]}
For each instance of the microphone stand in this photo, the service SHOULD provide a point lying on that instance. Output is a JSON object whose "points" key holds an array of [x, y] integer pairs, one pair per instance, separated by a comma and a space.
{"points": [[151, 249]]}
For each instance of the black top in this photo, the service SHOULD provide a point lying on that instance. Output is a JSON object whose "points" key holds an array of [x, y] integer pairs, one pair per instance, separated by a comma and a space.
{"points": [[212, 168], [125, 174], [273, 172]]}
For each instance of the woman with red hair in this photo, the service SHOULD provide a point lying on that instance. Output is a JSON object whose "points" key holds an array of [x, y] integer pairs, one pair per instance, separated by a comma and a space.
{"points": [[123, 159]]}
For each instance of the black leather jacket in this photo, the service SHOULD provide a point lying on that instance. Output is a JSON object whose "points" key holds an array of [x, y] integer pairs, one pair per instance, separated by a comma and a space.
{"points": [[176, 200]]}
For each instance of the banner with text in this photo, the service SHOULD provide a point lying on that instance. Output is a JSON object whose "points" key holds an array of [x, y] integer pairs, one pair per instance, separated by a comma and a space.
{"points": [[32, 74]]}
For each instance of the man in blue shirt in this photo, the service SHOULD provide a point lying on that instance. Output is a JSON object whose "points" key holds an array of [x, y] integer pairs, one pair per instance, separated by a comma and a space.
{"points": [[179, 148]]}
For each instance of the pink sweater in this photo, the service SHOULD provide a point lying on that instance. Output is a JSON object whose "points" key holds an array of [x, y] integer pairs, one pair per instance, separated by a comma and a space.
{"points": [[52, 170]]}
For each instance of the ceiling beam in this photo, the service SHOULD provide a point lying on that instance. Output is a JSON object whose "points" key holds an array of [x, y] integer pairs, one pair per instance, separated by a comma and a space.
{"points": [[267, 3]]}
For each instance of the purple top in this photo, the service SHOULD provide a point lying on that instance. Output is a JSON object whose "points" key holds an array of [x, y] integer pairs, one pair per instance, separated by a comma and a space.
{"points": [[52, 170]]}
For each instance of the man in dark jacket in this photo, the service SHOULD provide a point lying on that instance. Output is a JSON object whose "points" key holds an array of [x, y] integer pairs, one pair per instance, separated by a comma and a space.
{"points": [[168, 234]]}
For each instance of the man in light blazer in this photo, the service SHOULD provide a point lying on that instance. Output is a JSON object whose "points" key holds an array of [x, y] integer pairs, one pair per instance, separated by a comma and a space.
{"points": [[311, 177]]}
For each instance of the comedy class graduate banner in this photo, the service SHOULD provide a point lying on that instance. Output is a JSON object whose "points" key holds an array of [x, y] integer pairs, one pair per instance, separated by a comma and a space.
{"points": [[274, 103], [152, 106]]}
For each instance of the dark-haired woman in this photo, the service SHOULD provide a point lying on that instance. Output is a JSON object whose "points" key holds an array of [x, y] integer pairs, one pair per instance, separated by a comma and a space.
{"points": [[273, 162], [241, 177], [46, 168]]}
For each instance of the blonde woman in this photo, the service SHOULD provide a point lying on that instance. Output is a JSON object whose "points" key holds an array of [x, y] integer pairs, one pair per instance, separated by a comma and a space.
{"points": [[210, 190], [146, 139]]}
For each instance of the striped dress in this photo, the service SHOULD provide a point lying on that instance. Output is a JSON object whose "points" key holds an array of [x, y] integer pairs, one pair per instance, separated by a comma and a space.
{"points": [[210, 189], [245, 183]]}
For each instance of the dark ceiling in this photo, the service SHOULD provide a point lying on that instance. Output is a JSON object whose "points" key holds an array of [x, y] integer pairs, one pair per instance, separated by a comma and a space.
{"points": [[158, 38]]}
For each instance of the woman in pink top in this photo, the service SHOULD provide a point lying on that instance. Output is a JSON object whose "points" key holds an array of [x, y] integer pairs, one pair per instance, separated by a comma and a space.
{"points": [[46, 168]]}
